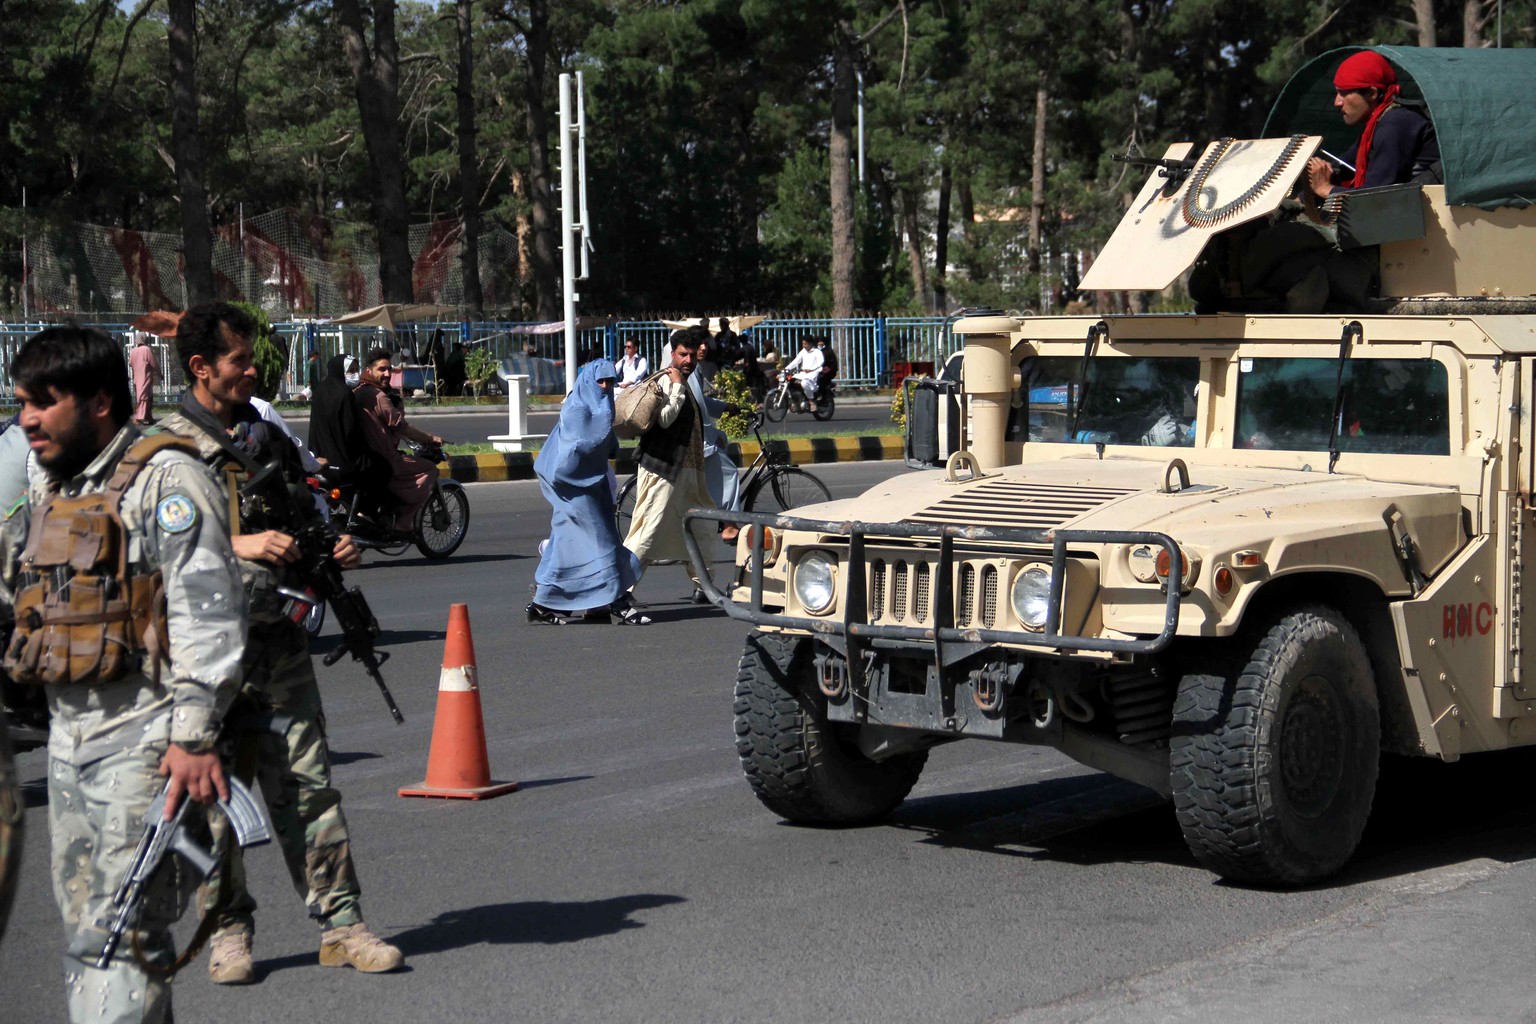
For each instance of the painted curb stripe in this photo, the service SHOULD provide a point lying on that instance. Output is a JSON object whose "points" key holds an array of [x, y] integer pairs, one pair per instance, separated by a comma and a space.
{"points": [[496, 467]]}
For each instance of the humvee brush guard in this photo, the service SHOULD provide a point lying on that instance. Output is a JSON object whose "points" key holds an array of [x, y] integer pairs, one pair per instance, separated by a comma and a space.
{"points": [[1229, 557]]}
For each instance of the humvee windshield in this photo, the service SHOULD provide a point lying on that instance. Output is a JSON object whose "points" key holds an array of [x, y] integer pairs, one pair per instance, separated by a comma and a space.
{"points": [[1391, 406], [1124, 400]]}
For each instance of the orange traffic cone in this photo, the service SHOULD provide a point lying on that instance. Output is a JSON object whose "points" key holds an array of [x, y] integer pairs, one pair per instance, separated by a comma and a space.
{"points": [[458, 767]]}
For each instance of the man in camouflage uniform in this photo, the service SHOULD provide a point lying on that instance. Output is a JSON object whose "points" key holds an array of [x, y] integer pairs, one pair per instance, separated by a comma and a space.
{"points": [[117, 734], [214, 345]]}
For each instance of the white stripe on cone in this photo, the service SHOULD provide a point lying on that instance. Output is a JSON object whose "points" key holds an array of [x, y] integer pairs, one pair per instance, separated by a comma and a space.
{"points": [[458, 680]]}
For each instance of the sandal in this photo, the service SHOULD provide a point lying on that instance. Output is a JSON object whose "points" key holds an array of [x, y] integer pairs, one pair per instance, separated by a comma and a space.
{"points": [[629, 615], [538, 613]]}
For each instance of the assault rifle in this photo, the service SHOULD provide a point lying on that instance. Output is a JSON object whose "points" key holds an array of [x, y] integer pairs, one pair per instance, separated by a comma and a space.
{"points": [[162, 838], [316, 540]]}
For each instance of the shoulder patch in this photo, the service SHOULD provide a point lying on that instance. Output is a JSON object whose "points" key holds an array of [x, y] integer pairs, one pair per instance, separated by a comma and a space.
{"points": [[175, 513], [20, 503]]}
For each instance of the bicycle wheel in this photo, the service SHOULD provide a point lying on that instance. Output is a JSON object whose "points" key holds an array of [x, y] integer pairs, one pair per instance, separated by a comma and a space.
{"points": [[782, 488], [624, 509], [443, 521], [777, 405]]}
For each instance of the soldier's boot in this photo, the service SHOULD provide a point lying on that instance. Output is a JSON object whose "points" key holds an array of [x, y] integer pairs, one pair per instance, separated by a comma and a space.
{"points": [[229, 958], [356, 946]]}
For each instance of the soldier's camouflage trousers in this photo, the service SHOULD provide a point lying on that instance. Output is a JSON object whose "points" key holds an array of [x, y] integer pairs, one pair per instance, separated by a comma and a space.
{"points": [[96, 817], [293, 766]]}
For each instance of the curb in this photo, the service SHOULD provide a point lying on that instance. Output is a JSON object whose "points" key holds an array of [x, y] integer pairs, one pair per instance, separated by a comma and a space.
{"points": [[498, 467]]}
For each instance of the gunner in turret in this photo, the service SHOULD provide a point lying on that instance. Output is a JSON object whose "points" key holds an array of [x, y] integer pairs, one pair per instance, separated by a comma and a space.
{"points": [[1397, 141]]}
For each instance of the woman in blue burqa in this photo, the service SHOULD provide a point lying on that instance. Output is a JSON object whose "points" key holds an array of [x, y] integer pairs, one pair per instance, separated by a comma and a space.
{"points": [[584, 568]]}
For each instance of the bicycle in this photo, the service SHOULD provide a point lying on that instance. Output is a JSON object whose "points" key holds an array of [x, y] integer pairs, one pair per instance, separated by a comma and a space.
{"points": [[771, 473]]}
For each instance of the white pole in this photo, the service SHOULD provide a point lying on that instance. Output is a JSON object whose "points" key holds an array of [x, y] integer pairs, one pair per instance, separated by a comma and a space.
{"points": [[26, 305], [585, 227], [861, 126], [567, 230]]}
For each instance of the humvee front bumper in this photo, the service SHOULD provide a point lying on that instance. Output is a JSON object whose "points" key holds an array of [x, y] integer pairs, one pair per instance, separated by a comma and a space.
{"points": [[852, 632]]}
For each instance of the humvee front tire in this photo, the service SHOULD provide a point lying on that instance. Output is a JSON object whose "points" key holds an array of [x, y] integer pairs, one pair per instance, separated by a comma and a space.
{"points": [[1273, 772], [799, 765]]}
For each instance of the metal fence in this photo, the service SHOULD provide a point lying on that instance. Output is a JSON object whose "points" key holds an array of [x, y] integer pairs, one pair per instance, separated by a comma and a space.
{"points": [[872, 351]]}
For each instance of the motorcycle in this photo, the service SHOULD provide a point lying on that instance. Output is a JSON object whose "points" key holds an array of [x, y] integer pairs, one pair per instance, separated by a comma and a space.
{"points": [[440, 526], [787, 395]]}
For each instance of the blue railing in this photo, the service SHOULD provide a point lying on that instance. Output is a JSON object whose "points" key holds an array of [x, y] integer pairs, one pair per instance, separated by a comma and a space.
{"points": [[872, 351]]}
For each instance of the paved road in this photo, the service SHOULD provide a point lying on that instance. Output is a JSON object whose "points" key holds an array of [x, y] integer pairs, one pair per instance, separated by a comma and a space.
{"points": [[634, 878], [472, 427]]}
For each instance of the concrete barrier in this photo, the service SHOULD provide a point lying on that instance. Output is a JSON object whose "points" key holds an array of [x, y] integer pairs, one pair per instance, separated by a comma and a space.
{"points": [[495, 467]]}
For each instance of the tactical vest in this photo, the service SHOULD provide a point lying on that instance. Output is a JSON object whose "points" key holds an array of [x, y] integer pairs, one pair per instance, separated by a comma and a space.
{"points": [[82, 615]]}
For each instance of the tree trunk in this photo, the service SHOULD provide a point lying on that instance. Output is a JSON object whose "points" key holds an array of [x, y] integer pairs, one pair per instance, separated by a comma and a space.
{"points": [[1037, 181], [910, 227], [376, 77], [196, 234], [1472, 22], [941, 235], [469, 184], [1424, 20], [844, 256], [524, 228], [967, 207], [541, 187]]}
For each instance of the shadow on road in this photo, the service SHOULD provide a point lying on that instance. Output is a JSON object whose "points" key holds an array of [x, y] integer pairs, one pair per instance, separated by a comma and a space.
{"points": [[535, 921], [349, 756], [1427, 815], [540, 783], [539, 921], [388, 638], [453, 560]]}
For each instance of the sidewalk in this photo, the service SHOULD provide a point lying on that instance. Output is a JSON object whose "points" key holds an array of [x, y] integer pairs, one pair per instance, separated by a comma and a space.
{"points": [[495, 467], [1453, 943]]}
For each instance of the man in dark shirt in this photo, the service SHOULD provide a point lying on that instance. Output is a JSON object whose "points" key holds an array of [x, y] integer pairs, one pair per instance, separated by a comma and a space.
{"points": [[1397, 142]]}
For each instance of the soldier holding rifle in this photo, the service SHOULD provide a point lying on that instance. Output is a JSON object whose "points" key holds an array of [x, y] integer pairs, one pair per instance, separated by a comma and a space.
{"points": [[129, 611], [214, 345]]}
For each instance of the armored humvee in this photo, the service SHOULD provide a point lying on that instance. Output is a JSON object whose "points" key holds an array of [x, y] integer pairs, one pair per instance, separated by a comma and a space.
{"points": [[1230, 556]]}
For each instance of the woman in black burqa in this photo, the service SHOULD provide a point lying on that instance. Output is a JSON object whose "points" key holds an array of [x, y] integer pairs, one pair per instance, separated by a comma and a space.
{"points": [[336, 434]]}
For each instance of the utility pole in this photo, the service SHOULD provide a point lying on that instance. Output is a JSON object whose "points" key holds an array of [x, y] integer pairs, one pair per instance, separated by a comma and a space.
{"points": [[573, 204]]}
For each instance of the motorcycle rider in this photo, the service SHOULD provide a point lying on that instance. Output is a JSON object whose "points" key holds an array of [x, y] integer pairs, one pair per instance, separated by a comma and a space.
{"points": [[336, 435], [383, 425], [828, 366], [806, 368]]}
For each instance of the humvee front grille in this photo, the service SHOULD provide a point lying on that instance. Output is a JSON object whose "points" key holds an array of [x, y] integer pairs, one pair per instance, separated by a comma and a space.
{"points": [[877, 590], [899, 592], [989, 596], [965, 607], [1012, 503], [855, 627]]}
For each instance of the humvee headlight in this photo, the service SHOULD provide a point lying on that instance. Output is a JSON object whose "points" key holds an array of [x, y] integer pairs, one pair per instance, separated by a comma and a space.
{"points": [[1143, 560], [815, 582], [1032, 597]]}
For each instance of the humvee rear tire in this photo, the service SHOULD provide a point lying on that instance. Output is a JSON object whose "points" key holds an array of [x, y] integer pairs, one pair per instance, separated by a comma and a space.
{"points": [[799, 765], [1273, 772]]}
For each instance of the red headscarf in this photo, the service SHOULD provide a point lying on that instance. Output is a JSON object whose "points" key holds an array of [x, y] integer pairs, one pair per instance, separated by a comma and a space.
{"points": [[1367, 70]]}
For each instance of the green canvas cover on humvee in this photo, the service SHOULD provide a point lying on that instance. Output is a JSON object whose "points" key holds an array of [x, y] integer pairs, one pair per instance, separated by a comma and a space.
{"points": [[1480, 101]]}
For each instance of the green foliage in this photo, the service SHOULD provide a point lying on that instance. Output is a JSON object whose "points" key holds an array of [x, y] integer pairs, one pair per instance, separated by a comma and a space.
{"points": [[731, 386], [899, 410], [708, 128], [271, 357], [479, 367]]}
